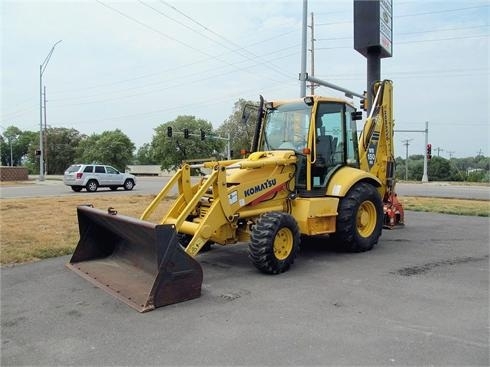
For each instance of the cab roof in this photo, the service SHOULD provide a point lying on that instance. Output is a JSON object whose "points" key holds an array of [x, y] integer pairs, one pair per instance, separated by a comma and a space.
{"points": [[280, 102]]}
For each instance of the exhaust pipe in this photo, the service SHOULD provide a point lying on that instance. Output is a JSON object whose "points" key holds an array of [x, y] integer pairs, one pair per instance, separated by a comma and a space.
{"points": [[138, 262]]}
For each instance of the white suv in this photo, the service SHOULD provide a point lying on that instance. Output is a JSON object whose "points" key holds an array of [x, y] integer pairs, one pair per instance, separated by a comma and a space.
{"points": [[93, 176]]}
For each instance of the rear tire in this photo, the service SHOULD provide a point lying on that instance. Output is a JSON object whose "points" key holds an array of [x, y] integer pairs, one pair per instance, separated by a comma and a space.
{"points": [[92, 186], [274, 242], [360, 219], [128, 185]]}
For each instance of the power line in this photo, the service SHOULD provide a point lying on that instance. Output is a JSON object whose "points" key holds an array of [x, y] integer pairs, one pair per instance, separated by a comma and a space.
{"points": [[166, 35], [413, 14], [418, 41], [442, 11], [167, 87], [408, 33], [237, 50]]}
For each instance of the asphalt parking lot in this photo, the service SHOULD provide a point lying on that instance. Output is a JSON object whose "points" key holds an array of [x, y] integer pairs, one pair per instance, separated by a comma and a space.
{"points": [[421, 297]]}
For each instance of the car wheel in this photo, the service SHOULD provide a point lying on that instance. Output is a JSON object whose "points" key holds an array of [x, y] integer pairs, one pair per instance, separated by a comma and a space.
{"points": [[128, 184], [92, 186], [76, 188]]}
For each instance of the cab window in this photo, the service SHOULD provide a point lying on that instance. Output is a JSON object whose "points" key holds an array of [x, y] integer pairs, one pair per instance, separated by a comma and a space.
{"points": [[352, 142]]}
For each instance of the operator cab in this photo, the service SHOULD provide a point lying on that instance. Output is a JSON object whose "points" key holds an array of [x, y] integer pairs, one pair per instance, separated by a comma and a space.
{"points": [[322, 133]]}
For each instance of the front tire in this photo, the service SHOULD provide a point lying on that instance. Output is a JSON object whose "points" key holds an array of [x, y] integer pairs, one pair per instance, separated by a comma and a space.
{"points": [[128, 185], [360, 219], [274, 242]]}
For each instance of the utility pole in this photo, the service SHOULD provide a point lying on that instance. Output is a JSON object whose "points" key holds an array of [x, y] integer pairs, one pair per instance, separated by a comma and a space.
{"points": [[425, 177], [450, 152], [303, 74], [406, 143], [439, 150], [312, 66]]}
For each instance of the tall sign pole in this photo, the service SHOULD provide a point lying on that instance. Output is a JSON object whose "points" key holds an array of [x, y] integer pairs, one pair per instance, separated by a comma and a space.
{"points": [[373, 36]]}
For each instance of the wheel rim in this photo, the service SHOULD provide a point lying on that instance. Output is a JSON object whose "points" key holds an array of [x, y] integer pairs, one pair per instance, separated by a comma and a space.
{"points": [[129, 185], [283, 243], [366, 218]]}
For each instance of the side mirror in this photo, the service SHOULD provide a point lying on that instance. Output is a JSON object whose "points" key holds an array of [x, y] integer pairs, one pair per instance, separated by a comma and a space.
{"points": [[246, 112], [245, 115]]}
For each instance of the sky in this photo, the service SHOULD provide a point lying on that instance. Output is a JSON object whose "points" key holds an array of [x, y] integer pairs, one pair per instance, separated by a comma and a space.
{"points": [[134, 65]]}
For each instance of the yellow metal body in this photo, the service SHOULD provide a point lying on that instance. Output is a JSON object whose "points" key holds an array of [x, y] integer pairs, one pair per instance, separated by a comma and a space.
{"points": [[223, 206]]}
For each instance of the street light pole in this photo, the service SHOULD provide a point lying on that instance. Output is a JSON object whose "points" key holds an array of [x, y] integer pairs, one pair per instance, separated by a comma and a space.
{"points": [[42, 68]]}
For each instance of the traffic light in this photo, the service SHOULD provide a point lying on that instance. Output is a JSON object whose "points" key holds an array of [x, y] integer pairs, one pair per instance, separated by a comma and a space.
{"points": [[186, 133], [169, 131], [429, 151], [203, 134], [364, 102]]}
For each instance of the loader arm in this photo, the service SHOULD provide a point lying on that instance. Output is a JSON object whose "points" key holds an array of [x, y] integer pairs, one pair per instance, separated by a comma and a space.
{"points": [[210, 209]]}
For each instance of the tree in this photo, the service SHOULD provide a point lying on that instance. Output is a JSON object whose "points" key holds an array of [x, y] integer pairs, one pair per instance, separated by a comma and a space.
{"points": [[145, 155], [169, 152], [110, 147], [61, 149], [22, 144], [11, 155], [439, 169], [241, 134]]}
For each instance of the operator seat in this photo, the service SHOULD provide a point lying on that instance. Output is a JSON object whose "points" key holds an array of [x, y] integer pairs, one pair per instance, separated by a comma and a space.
{"points": [[325, 146]]}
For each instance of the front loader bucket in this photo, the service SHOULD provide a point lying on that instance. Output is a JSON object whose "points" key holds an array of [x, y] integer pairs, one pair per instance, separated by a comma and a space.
{"points": [[139, 262]]}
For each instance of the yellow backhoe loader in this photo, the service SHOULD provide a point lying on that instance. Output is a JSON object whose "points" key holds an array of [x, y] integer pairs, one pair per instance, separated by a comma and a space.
{"points": [[308, 174]]}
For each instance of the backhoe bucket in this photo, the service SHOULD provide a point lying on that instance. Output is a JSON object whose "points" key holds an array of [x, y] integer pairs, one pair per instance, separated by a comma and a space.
{"points": [[140, 263]]}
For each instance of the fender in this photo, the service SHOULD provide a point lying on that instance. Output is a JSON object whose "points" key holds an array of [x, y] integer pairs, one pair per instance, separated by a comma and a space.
{"points": [[346, 177]]}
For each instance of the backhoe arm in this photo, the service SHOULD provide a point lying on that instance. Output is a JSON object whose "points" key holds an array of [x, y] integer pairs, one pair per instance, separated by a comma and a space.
{"points": [[377, 152], [376, 149]]}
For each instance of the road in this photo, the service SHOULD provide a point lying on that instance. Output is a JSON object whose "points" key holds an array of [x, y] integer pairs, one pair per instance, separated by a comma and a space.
{"points": [[444, 190], [421, 297], [152, 185]]}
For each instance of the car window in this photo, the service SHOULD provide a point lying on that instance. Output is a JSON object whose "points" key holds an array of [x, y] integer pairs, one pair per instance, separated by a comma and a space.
{"points": [[111, 170], [99, 169], [89, 169], [73, 168]]}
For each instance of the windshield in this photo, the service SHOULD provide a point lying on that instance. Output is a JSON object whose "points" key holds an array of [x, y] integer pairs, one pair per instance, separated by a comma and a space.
{"points": [[286, 127]]}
